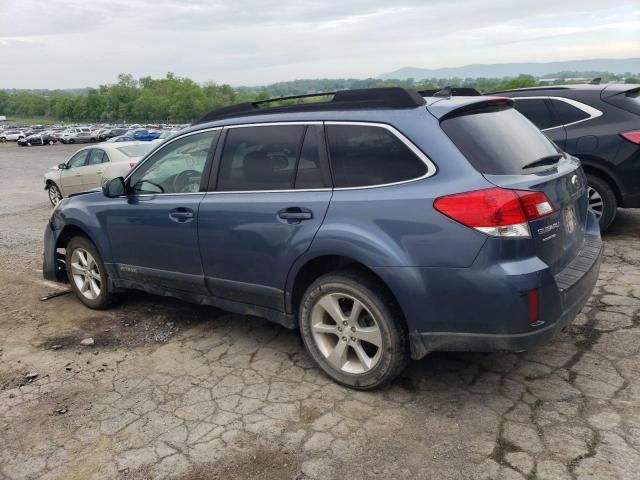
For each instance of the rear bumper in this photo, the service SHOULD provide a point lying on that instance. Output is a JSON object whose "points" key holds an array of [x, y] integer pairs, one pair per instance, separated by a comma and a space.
{"points": [[485, 307], [573, 299]]}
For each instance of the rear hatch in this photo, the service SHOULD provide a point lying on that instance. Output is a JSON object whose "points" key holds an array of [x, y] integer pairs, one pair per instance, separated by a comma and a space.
{"points": [[623, 96], [511, 153]]}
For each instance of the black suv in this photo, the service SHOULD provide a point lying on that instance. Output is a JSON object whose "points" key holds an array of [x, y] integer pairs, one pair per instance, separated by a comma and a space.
{"points": [[599, 124]]}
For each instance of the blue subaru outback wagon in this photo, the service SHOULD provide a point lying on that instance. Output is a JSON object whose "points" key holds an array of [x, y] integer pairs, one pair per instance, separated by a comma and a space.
{"points": [[384, 224]]}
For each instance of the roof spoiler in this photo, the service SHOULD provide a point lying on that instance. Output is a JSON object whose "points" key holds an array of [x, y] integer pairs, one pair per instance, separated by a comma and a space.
{"points": [[359, 99], [489, 105], [448, 92]]}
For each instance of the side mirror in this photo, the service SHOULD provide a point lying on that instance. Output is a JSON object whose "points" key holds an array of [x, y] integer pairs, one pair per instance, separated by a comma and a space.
{"points": [[62, 166], [114, 187]]}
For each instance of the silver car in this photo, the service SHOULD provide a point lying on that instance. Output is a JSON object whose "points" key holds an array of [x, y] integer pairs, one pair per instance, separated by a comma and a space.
{"points": [[89, 167]]}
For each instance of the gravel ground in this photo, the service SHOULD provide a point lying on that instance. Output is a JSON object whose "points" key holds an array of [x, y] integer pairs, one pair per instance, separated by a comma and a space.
{"points": [[171, 390]]}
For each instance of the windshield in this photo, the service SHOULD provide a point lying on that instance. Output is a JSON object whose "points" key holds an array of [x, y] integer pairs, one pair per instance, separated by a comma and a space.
{"points": [[498, 142], [138, 150]]}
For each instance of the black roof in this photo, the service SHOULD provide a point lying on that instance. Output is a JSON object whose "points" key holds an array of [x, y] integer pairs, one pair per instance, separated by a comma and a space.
{"points": [[360, 99]]}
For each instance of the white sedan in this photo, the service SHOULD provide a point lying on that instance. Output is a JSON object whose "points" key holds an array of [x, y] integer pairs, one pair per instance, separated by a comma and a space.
{"points": [[89, 167]]}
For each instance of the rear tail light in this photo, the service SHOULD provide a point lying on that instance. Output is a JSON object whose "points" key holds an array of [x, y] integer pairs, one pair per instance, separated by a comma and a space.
{"points": [[132, 164], [496, 211], [633, 137]]}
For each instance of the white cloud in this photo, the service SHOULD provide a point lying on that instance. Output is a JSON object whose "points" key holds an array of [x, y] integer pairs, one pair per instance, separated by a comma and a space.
{"points": [[70, 43]]}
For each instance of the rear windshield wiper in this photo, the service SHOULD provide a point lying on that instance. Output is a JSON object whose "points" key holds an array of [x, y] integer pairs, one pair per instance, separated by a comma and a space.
{"points": [[544, 161]]}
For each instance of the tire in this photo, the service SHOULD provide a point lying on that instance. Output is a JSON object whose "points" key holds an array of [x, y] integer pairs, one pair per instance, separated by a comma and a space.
{"points": [[71, 140], [20, 138], [53, 190], [602, 201], [340, 350], [28, 144], [50, 142], [3, 139], [88, 279]]}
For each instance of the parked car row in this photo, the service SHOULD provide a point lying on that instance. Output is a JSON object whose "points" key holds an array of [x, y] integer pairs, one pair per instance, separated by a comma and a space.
{"points": [[384, 224], [84, 134]]}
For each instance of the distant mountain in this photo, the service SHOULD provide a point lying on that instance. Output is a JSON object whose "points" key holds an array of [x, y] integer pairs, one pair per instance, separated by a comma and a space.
{"points": [[500, 70]]}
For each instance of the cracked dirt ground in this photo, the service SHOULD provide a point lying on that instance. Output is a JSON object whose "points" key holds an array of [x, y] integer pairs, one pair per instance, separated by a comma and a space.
{"points": [[171, 390]]}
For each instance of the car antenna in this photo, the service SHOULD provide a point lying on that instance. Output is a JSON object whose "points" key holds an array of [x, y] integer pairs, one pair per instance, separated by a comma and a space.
{"points": [[595, 81]]}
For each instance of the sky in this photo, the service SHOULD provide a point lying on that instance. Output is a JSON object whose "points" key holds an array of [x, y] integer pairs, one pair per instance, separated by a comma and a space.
{"points": [[79, 43]]}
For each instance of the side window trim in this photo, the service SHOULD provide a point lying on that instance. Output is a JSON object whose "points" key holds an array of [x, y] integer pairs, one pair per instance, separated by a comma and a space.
{"points": [[324, 160], [431, 167], [589, 110], [164, 145]]}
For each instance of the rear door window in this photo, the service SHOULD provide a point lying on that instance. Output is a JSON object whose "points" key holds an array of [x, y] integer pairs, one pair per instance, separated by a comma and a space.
{"points": [[536, 110], [98, 156], [567, 113], [368, 155], [498, 142], [261, 158]]}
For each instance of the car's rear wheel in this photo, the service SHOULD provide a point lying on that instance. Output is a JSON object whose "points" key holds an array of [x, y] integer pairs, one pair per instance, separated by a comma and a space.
{"points": [[3, 139], [28, 144], [71, 140], [87, 275], [602, 201], [353, 330], [20, 138], [55, 195]]}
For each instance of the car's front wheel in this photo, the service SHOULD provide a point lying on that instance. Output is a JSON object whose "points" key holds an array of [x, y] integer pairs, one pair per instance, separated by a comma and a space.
{"points": [[3, 139], [50, 142], [602, 201], [353, 330], [71, 140], [55, 195], [87, 274]]}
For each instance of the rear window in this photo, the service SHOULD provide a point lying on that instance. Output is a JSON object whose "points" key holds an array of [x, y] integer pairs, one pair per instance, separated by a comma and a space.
{"points": [[629, 100], [498, 142], [369, 155], [536, 110], [568, 113], [139, 150]]}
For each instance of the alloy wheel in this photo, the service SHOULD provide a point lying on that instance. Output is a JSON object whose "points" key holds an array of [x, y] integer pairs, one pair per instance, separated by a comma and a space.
{"points": [[54, 195], [596, 204], [86, 274], [346, 333]]}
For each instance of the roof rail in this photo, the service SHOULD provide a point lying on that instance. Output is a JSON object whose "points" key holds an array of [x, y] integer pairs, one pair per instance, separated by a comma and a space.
{"points": [[360, 99], [451, 92], [529, 89]]}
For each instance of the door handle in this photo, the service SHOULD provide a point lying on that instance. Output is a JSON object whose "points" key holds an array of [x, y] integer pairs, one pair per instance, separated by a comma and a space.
{"points": [[181, 215], [295, 214]]}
